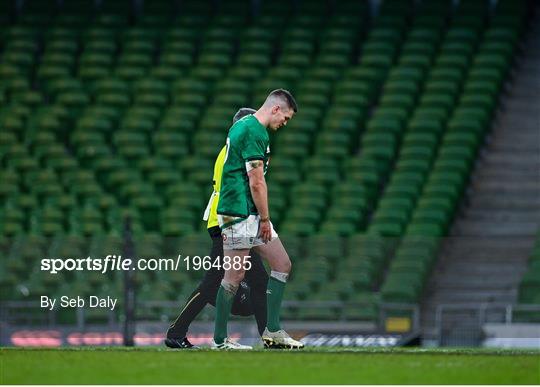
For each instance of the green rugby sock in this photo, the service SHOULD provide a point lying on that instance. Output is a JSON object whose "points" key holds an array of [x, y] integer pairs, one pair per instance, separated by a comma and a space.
{"points": [[274, 295], [224, 301]]}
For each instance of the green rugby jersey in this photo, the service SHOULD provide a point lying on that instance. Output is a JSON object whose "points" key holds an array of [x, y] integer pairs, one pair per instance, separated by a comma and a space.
{"points": [[248, 140]]}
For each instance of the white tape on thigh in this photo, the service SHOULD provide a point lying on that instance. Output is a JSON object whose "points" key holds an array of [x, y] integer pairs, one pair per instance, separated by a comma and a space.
{"points": [[282, 277]]}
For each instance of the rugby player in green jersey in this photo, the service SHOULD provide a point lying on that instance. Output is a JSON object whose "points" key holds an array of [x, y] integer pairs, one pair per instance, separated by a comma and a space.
{"points": [[245, 220], [251, 296]]}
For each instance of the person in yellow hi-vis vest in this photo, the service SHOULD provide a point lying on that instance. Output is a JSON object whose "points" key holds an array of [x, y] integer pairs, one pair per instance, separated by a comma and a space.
{"points": [[251, 297]]}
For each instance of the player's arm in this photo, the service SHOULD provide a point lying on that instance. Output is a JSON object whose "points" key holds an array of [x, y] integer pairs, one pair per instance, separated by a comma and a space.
{"points": [[257, 185], [259, 193]]}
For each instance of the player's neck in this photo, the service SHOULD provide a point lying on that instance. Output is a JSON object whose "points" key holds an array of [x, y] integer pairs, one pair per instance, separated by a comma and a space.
{"points": [[261, 117]]}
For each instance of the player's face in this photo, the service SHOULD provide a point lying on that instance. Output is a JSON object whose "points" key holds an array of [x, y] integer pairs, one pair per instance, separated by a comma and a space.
{"points": [[280, 117]]}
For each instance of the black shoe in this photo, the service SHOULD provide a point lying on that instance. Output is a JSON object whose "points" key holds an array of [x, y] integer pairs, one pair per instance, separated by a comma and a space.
{"points": [[179, 344]]}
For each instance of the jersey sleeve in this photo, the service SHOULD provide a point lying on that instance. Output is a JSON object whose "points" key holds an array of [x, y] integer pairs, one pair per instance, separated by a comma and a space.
{"points": [[255, 145]]}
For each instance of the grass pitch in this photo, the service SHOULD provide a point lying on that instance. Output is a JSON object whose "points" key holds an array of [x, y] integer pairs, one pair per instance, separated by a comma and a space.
{"points": [[311, 366]]}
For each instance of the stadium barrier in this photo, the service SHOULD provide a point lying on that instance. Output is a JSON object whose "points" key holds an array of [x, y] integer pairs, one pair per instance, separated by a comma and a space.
{"points": [[452, 332], [17, 315]]}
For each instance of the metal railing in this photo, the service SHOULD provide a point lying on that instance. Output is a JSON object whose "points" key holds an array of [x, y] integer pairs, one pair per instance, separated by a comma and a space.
{"points": [[479, 314], [30, 312]]}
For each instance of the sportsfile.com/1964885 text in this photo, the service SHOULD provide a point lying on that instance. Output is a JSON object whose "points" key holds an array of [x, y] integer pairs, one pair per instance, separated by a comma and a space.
{"points": [[118, 263]]}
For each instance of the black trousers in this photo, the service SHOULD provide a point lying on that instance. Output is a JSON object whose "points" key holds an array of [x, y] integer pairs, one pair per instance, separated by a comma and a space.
{"points": [[249, 300]]}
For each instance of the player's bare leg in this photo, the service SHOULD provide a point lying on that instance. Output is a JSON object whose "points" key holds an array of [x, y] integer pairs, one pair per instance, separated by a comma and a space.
{"points": [[276, 255], [280, 263], [225, 297]]}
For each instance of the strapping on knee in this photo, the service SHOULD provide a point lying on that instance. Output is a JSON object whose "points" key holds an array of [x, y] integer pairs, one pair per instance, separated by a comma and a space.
{"points": [[229, 287], [281, 277]]}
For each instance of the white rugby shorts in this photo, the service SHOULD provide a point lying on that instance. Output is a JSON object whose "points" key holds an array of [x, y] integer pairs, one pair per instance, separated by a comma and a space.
{"points": [[241, 233]]}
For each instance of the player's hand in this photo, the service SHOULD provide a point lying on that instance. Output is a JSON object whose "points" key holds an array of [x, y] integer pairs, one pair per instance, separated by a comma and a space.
{"points": [[265, 231]]}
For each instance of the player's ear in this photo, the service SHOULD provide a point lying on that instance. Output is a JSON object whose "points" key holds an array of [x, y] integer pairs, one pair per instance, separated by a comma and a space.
{"points": [[275, 109]]}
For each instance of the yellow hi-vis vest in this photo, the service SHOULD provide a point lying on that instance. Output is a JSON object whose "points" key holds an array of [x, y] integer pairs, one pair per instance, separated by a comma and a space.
{"points": [[210, 214]]}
